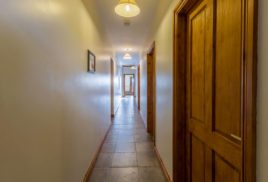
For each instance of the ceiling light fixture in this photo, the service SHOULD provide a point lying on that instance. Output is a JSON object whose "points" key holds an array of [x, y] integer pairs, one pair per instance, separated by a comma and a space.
{"points": [[127, 8], [133, 67], [127, 56], [128, 49]]}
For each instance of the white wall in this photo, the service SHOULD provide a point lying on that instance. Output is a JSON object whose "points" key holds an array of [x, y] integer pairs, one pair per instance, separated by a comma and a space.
{"points": [[164, 57], [53, 114], [117, 86], [262, 105], [143, 97], [164, 64]]}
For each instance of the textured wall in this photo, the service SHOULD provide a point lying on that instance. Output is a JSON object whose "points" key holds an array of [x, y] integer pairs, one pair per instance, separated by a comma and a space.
{"points": [[53, 113]]}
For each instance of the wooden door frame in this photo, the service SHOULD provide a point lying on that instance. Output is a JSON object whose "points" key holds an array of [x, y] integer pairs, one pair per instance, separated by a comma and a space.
{"points": [[180, 155], [151, 52], [123, 84], [139, 87], [112, 88], [124, 75]]}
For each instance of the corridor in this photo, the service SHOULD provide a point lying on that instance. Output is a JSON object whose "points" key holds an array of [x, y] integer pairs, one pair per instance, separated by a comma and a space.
{"points": [[128, 153], [185, 81]]}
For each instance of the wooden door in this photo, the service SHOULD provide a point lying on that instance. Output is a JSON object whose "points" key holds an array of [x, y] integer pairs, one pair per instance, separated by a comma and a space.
{"points": [[151, 92], [112, 88], [139, 87], [216, 90]]}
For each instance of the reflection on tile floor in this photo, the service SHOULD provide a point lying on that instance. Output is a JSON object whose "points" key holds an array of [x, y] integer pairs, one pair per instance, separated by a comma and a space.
{"points": [[127, 154]]}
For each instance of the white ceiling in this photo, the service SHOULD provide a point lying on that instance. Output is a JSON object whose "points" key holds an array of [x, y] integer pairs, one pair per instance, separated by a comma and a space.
{"points": [[137, 35]]}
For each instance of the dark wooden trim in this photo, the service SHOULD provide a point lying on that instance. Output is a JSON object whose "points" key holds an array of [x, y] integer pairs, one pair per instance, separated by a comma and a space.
{"points": [[93, 162], [112, 88], [180, 156], [151, 48], [139, 87], [162, 165], [152, 53], [249, 130], [179, 94]]}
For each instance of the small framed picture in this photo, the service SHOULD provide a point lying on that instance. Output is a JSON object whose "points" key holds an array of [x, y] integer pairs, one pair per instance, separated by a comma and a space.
{"points": [[91, 59]]}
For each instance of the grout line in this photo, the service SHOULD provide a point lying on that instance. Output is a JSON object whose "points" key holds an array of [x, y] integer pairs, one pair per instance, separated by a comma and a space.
{"points": [[132, 133]]}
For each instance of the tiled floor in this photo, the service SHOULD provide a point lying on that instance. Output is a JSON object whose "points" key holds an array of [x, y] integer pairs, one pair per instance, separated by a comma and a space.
{"points": [[127, 154]]}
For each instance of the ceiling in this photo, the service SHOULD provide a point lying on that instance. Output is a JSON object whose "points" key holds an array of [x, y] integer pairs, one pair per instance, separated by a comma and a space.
{"points": [[137, 35]]}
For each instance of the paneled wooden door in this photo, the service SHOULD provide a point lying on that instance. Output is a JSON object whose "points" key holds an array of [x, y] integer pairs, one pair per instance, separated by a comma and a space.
{"points": [[151, 96], [214, 93], [219, 77]]}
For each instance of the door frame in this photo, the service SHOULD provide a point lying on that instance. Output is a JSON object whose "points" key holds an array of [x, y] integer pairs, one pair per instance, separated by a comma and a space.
{"points": [[123, 81], [133, 86], [139, 87], [112, 88], [180, 156], [151, 124]]}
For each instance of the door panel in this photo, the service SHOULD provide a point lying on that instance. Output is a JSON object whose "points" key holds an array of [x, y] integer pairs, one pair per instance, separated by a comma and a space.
{"points": [[197, 65], [215, 90], [198, 160], [225, 172], [228, 60]]}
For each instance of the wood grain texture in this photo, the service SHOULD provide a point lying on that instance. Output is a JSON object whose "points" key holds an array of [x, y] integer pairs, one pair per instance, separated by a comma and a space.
{"points": [[224, 172], [139, 87], [179, 99], [198, 160], [197, 44], [151, 96], [228, 66], [221, 69]]}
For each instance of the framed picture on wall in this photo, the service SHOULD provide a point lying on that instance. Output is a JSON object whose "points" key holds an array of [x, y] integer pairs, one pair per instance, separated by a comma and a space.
{"points": [[91, 59]]}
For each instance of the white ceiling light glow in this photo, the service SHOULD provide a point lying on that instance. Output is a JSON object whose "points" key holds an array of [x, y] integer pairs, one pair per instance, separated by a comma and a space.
{"points": [[127, 56], [127, 8], [128, 49]]}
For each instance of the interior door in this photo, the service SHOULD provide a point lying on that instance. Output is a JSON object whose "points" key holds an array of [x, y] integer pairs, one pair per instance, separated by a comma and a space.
{"points": [[112, 88], [139, 87], [215, 63], [151, 93]]}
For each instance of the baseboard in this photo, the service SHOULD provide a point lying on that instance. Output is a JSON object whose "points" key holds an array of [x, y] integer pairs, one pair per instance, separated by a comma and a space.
{"points": [[162, 165], [117, 108], [93, 162], [144, 121]]}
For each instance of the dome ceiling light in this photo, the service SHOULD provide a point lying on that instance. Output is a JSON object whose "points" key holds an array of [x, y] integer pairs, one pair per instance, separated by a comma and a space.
{"points": [[127, 56], [127, 8]]}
